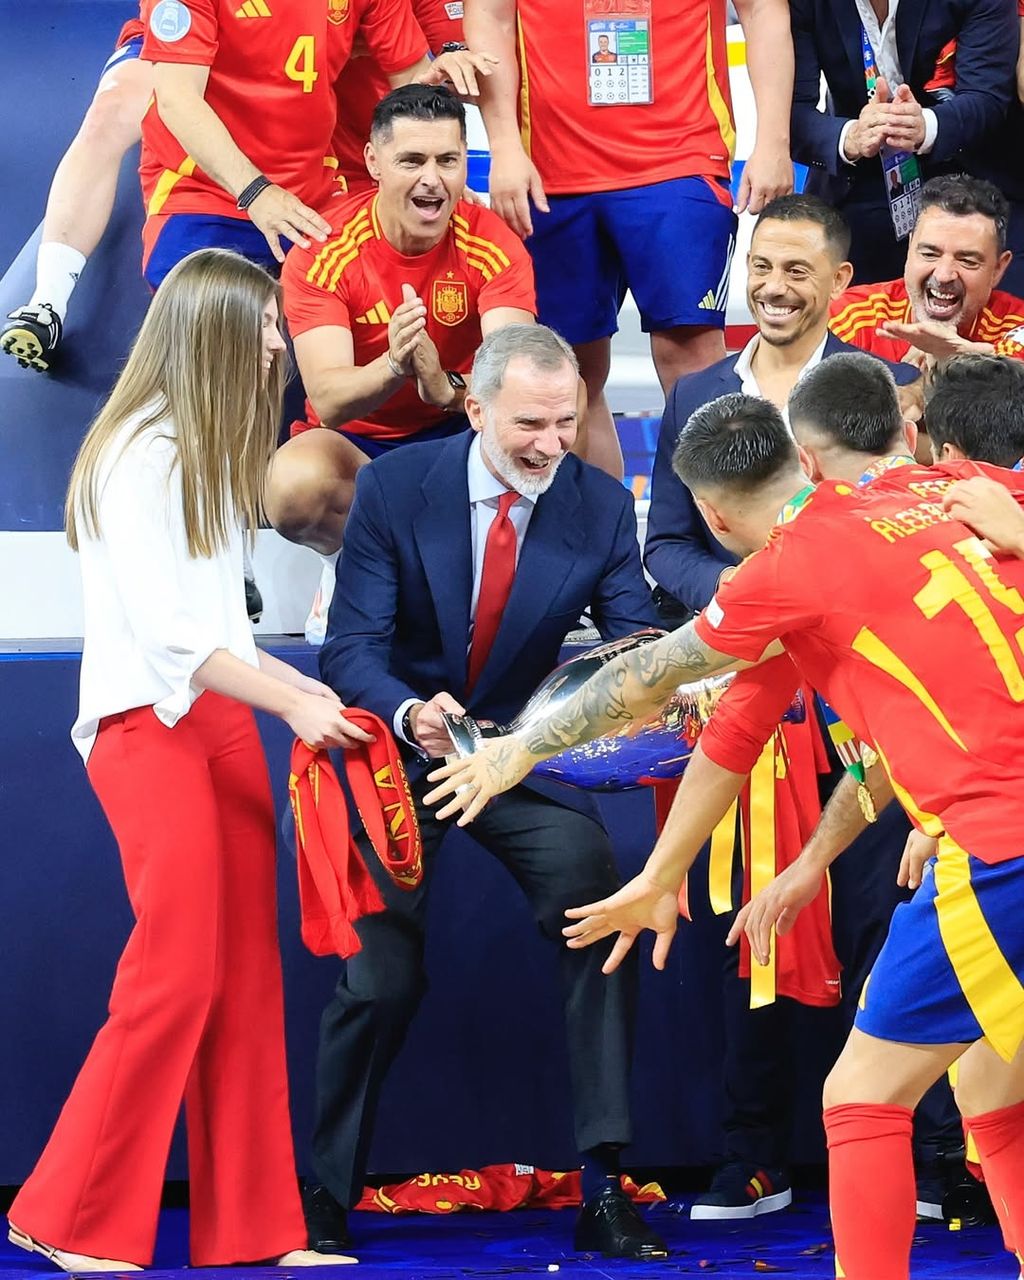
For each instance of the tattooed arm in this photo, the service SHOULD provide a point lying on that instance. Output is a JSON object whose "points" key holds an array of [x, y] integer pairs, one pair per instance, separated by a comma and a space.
{"points": [[629, 689]]}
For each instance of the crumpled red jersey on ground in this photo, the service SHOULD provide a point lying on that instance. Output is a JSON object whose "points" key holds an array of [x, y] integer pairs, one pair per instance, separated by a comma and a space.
{"points": [[496, 1186]]}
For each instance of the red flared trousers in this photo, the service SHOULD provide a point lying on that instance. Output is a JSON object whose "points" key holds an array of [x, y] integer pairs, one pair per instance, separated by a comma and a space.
{"points": [[196, 1011]]}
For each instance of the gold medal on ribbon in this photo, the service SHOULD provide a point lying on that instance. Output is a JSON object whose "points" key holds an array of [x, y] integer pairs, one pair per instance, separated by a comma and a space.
{"points": [[866, 802]]}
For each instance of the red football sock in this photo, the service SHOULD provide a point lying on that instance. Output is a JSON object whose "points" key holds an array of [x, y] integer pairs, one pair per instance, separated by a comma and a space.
{"points": [[999, 1137], [871, 1189]]}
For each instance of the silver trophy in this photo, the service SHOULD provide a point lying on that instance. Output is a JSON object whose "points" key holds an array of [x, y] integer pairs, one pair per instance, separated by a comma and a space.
{"points": [[634, 756]]}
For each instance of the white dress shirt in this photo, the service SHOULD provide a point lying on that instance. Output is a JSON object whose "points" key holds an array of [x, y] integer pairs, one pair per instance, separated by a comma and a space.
{"points": [[745, 372], [484, 491], [883, 42], [153, 613]]}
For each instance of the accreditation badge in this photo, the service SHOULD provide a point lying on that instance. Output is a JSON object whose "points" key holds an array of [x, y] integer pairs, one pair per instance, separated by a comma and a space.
{"points": [[902, 175], [617, 48]]}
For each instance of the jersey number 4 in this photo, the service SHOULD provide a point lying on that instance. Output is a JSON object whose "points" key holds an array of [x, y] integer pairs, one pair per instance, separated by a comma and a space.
{"points": [[948, 584], [300, 65]]}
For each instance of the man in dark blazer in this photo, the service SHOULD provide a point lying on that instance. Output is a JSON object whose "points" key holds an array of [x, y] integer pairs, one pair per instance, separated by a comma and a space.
{"points": [[465, 564], [947, 133], [796, 265]]}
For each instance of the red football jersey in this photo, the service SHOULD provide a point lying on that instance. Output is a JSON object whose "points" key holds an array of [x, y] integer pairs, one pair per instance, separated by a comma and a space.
{"points": [[355, 281], [856, 314], [134, 27], [363, 83], [273, 64], [912, 631], [660, 109]]}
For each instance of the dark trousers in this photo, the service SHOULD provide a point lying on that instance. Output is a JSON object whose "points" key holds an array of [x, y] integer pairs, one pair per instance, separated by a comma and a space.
{"points": [[762, 1044], [559, 858]]}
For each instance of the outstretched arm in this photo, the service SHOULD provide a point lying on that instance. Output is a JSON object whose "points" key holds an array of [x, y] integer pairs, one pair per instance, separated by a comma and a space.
{"points": [[628, 690]]}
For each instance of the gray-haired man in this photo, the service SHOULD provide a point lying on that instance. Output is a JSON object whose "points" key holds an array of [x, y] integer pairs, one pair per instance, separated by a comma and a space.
{"points": [[465, 563]]}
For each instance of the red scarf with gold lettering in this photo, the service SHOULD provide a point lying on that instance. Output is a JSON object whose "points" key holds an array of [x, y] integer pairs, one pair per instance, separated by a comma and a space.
{"points": [[335, 887]]}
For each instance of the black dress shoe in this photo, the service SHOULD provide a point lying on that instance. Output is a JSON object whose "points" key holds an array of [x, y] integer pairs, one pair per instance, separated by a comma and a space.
{"points": [[609, 1224], [326, 1221]]}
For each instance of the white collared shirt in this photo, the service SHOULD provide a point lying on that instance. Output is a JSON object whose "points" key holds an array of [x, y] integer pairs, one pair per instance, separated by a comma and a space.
{"points": [[882, 39], [484, 491], [745, 372], [153, 612]]}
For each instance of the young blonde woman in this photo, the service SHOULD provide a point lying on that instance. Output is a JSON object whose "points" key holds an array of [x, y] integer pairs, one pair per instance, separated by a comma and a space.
{"points": [[168, 477]]}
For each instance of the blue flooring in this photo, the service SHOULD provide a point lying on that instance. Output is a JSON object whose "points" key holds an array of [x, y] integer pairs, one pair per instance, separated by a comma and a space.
{"points": [[795, 1243]]}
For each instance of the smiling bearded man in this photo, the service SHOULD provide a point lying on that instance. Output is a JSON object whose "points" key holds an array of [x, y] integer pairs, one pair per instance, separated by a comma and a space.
{"points": [[947, 302]]}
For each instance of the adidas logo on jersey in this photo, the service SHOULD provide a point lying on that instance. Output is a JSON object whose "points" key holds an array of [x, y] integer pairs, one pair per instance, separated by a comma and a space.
{"points": [[378, 314], [254, 9], [708, 303]]}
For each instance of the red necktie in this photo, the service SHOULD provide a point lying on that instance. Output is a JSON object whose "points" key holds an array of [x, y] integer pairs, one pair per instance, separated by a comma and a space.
{"points": [[496, 577]]}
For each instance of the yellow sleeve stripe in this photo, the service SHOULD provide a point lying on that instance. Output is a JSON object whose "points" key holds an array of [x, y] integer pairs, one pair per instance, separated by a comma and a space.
{"points": [[525, 113], [872, 310], [462, 230], [878, 653], [350, 256], [479, 258], [166, 183], [324, 260]]}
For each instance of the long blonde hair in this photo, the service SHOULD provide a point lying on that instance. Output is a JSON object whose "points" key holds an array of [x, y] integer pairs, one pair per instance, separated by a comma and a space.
{"points": [[197, 361]]}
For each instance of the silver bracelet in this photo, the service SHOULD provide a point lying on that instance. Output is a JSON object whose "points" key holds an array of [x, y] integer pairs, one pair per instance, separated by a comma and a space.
{"points": [[395, 369]]}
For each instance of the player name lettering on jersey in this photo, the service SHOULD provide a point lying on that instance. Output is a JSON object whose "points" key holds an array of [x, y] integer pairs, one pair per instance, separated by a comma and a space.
{"points": [[903, 524]]}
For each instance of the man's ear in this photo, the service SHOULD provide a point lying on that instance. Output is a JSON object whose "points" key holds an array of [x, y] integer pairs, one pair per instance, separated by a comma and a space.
{"points": [[809, 463], [474, 411], [950, 453], [1005, 258], [841, 279], [372, 164], [713, 518], [910, 434]]}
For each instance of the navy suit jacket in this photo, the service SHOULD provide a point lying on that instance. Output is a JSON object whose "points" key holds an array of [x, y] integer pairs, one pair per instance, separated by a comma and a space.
{"points": [[399, 623], [827, 40], [681, 553]]}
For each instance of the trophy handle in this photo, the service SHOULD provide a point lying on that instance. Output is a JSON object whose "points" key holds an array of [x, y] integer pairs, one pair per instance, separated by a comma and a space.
{"points": [[467, 734]]}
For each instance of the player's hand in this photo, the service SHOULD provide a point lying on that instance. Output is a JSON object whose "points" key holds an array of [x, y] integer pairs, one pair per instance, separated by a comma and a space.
{"points": [[432, 383], [905, 129], [405, 327], [320, 723], [318, 689], [514, 182], [990, 510], [460, 70], [916, 852], [933, 337], [767, 174], [495, 766], [472, 197], [428, 726], [640, 904], [278, 213], [776, 907], [865, 137]]}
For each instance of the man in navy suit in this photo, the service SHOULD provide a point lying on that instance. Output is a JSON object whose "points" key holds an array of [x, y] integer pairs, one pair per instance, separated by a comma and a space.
{"points": [[946, 132], [465, 564], [796, 266]]}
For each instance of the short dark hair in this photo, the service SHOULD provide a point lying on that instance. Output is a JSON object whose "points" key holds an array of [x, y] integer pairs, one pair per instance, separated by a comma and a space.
{"points": [[977, 404], [851, 399], [803, 208], [738, 442], [961, 195], [416, 102]]}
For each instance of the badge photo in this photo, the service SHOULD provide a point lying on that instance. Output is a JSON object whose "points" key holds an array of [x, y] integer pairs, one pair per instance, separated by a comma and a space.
{"points": [[450, 301]]}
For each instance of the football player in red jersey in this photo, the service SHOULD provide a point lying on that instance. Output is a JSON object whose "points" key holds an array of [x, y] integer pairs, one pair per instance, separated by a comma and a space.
{"points": [[928, 674], [236, 147], [388, 314], [81, 199], [618, 172], [947, 301]]}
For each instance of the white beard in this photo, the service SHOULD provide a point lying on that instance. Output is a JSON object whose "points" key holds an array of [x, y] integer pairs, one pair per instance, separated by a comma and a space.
{"points": [[511, 470]]}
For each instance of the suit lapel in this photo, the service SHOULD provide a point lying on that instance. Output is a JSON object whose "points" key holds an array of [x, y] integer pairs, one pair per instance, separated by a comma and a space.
{"points": [[909, 17], [549, 552], [444, 541], [848, 24]]}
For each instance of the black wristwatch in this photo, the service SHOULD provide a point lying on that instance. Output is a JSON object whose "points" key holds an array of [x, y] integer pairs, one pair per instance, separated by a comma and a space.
{"points": [[455, 380], [407, 732], [454, 46]]}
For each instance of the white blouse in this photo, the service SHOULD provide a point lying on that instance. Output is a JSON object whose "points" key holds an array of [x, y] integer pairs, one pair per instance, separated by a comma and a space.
{"points": [[153, 613]]}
